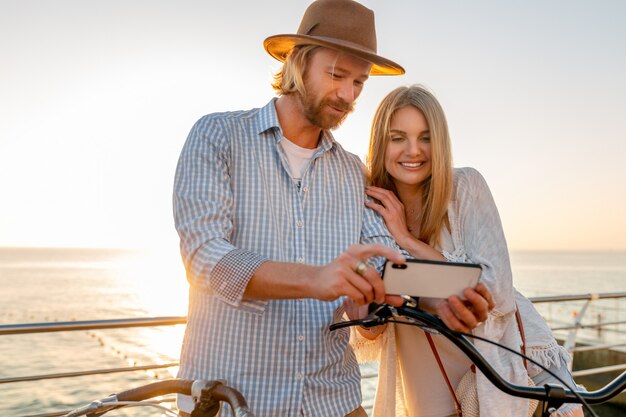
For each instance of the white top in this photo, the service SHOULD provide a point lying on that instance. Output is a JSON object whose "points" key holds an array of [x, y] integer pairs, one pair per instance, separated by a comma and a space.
{"points": [[298, 158], [476, 236], [430, 396]]}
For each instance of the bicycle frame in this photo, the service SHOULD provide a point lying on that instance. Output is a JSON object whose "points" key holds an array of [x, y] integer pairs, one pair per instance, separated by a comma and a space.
{"points": [[552, 395]]}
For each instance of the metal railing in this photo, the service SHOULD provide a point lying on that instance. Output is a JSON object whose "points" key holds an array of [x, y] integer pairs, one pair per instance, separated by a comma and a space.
{"points": [[29, 328], [67, 326], [578, 324]]}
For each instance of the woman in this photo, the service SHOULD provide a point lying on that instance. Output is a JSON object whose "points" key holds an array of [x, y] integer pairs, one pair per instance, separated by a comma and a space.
{"points": [[437, 212]]}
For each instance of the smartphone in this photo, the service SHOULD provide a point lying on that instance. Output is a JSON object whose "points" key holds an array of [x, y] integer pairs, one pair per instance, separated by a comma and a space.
{"points": [[426, 278]]}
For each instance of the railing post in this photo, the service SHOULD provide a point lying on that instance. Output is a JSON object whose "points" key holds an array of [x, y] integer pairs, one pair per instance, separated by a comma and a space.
{"points": [[570, 342], [599, 328], [618, 313]]}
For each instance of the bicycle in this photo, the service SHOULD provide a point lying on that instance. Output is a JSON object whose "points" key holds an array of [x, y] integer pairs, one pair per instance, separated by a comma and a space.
{"points": [[551, 396], [206, 395]]}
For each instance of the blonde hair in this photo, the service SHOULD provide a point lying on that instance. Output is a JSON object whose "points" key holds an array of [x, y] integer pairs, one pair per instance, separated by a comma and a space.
{"points": [[290, 78], [437, 190]]}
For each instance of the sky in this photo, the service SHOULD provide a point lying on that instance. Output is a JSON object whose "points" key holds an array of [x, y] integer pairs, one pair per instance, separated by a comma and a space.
{"points": [[97, 98]]}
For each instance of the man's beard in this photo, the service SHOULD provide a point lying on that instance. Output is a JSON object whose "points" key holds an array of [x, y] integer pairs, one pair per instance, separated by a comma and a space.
{"points": [[318, 113]]}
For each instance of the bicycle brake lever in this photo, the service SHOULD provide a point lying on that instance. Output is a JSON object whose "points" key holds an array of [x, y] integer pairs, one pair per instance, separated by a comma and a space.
{"points": [[378, 314], [409, 301]]}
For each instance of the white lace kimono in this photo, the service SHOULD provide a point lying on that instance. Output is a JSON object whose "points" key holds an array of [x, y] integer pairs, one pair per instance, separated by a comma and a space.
{"points": [[476, 236]]}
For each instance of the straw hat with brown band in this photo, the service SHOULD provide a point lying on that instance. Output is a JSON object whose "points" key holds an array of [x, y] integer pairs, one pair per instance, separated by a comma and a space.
{"points": [[343, 25]]}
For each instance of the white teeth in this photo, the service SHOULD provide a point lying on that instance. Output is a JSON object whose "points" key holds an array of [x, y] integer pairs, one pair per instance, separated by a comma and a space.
{"points": [[411, 164]]}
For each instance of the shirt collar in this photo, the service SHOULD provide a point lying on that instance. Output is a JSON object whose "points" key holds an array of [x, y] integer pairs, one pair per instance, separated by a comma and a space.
{"points": [[267, 119]]}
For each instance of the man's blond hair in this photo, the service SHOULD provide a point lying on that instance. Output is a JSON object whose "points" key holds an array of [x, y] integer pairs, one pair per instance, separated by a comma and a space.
{"points": [[290, 78]]}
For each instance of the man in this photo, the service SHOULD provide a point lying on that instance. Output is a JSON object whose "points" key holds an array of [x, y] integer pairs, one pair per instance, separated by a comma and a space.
{"points": [[274, 231]]}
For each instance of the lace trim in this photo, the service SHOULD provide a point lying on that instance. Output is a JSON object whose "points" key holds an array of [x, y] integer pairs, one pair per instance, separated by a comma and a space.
{"points": [[551, 355], [496, 314], [457, 256], [567, 410], [366, 350]]}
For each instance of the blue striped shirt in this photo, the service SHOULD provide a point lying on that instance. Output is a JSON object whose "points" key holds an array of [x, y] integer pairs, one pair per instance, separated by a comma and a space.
{"points": [[236, 206]]}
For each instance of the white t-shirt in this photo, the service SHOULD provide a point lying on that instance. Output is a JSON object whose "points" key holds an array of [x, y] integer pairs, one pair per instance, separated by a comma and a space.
{"points": [[297, 157]]}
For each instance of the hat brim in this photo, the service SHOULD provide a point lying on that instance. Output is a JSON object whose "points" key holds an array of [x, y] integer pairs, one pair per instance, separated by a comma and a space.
{"points": [[279, 47]]}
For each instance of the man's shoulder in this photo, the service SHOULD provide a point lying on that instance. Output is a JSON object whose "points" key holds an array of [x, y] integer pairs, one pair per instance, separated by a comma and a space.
{"points": [[257, 119], [345, 154], [229, 117]]}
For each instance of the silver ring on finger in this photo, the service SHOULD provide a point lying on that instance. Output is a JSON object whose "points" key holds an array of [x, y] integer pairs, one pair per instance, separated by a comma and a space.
{"points": [[360, 268]]}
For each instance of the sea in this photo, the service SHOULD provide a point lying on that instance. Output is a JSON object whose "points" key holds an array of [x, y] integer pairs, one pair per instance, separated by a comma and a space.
{"points": [[56, 285]]}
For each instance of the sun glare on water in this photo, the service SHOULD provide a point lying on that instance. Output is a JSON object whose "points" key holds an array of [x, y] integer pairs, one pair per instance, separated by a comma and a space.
{"points": [[156, 280], [159, 282]]}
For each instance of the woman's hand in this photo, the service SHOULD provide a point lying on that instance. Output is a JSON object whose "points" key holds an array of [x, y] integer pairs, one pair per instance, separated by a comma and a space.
{"points": [[391, 210], [465, 315]]}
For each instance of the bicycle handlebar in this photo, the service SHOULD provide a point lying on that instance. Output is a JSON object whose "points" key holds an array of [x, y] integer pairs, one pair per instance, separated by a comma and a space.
{"points": [[168, 386], [234, 398], [206, 395], [554, 394]]}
